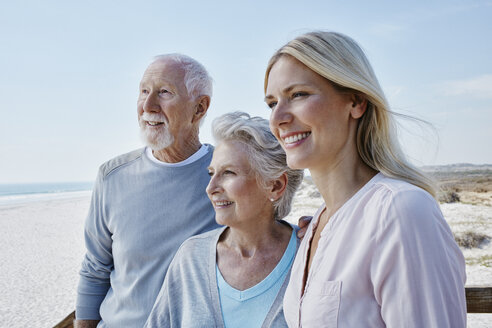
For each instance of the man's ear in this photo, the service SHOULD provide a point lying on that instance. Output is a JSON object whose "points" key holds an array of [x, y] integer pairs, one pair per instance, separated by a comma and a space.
{"points": [[359, 106], [201, 108], [277, 186]]}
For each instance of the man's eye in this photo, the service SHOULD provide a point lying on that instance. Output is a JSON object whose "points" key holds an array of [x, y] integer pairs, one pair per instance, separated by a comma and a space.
{"points": [[163, 91], [211, 173], [144, 91], [228, 172]]}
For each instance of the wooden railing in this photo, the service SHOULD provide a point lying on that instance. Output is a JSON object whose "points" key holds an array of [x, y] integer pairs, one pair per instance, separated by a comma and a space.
{"points": [[478, 300], [67, 322]]}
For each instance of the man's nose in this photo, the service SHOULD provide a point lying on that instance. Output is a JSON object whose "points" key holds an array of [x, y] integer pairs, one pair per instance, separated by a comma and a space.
{"points": [[151, 104]]}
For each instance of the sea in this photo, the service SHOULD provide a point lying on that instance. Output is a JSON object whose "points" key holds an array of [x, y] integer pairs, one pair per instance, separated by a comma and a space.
{"points": [[31, 192]]}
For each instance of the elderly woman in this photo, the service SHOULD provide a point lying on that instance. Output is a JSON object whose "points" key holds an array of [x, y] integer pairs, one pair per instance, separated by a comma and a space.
{"points": [[236, 276], [378, 252]]}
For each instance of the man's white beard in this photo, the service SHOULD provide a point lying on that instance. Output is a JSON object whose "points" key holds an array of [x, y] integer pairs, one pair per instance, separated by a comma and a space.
{"points": [[156, 138]]}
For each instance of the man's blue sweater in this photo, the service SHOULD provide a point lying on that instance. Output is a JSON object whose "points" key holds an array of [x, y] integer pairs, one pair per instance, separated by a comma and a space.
{"points": [[140, 214]]}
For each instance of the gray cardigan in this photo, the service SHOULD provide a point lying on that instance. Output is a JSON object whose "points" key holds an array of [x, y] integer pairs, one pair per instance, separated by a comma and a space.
{"points": [[189, 296]]}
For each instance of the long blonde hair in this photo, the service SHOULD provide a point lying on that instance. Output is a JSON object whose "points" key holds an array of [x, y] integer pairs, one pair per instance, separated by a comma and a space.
{"points": [[339, 59]]}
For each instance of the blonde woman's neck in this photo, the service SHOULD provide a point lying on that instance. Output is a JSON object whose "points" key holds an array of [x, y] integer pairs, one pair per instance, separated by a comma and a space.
{"points": [[340, 181]]}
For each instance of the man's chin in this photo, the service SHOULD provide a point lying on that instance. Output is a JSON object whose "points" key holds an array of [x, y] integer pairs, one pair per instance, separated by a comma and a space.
{"points": [[154, 144]]}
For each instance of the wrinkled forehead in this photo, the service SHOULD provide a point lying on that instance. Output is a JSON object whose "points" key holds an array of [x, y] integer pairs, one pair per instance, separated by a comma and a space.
{"points": [[164, 70], [231, 153]]}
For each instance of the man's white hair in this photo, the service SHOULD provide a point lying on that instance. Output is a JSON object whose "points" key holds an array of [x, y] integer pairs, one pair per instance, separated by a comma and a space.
{"points": [[196, 78]]}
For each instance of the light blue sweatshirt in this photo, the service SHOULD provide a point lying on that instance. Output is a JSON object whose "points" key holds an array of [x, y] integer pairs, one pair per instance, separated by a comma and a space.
{"points": [[140, 214]]}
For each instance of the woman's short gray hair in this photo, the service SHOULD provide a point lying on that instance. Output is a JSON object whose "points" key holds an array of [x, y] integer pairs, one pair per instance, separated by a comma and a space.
{"points": [[266, 156], [196, 79]]}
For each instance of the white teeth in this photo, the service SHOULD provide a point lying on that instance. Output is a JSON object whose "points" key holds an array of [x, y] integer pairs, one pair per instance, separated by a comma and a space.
{"points": [[153, 123], [223, 203], [296, 137]]}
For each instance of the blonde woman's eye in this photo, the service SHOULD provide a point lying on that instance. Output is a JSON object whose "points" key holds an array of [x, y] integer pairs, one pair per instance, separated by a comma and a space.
{"points": [[299, 94], [272, 104]]}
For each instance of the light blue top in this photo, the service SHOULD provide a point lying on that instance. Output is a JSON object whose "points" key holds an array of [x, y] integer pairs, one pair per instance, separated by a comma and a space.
{"points": [[248, 308], [190, 296]]}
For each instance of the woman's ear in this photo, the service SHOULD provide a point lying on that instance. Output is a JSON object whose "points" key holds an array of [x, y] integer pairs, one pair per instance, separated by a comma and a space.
{"points": [[277, 186], [359, 106]]}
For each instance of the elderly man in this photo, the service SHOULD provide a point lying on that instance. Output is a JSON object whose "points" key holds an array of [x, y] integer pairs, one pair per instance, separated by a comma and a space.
{"points": [[147, 202]]}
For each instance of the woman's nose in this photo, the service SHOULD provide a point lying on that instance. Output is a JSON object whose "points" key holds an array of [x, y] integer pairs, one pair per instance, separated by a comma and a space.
{"points": [[212, 186], [280, 115]]}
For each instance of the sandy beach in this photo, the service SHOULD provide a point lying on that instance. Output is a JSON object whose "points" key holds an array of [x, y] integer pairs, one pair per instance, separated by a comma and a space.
{"points": [[42, 247]]}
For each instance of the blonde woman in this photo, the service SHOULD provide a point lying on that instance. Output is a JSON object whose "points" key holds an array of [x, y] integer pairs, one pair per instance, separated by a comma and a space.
{"points": [[378, 252]]}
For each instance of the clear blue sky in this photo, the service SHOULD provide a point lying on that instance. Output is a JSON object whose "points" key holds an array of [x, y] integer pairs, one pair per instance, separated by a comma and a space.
{"points": [[69, 71]]}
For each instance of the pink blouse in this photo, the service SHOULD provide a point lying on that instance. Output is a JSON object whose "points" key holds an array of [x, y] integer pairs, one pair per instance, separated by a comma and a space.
{"points": [[386, 258]]}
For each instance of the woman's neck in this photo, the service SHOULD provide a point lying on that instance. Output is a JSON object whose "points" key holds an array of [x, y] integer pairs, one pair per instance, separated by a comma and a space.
{"points": [[258, 237], [246, 257], [339, 181]]}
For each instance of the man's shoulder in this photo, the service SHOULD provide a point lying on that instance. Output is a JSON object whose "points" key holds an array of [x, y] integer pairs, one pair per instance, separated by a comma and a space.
{"points": [[114, 163]]}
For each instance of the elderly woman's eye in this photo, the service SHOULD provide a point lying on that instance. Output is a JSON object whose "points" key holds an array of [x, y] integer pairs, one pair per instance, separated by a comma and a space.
{"points": [[211, 173], [228, 172]]}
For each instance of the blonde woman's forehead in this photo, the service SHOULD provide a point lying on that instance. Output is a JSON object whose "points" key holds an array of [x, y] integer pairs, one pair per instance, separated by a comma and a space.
{"points": [[288, 73]]}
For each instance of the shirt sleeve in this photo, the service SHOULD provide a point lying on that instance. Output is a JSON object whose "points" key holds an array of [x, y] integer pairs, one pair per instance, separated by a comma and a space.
{"points": [[98, 262], [418, 270]]}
